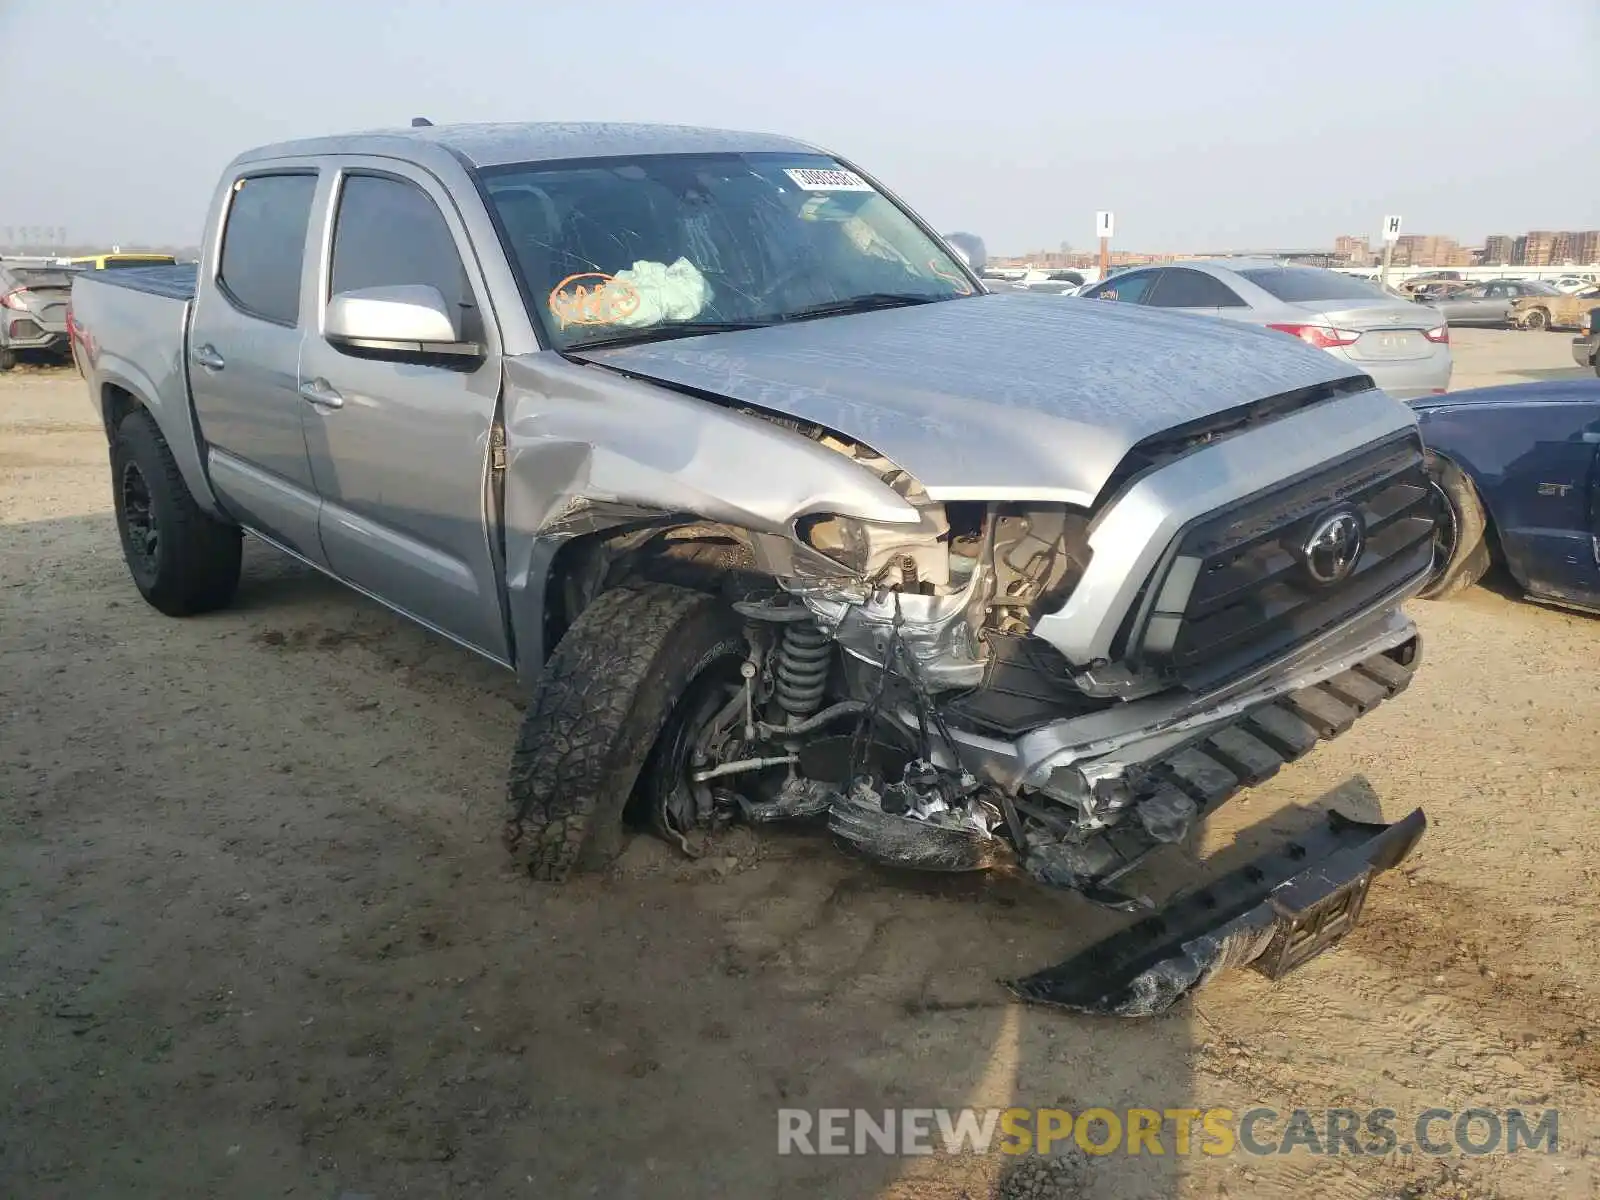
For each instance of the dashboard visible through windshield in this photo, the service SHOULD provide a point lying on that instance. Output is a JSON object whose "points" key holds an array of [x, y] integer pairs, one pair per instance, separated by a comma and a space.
{"points": [[675, 244]]}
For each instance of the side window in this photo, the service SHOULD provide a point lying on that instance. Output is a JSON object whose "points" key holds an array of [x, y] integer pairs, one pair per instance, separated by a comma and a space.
{"points": [[1129, 288], [264, 245], [390, 233], [1180, 287]]}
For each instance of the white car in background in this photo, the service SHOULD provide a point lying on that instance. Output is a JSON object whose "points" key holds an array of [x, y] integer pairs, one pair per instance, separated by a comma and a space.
{"points": [[1403, 346], [1572, 284]]}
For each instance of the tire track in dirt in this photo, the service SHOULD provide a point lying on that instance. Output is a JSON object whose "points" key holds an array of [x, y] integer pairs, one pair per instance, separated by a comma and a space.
{"points": [[1435, 931]]}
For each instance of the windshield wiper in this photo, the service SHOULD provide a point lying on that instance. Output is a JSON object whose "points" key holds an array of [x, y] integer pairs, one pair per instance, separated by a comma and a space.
{"points": [[864, 303], [663, 333]]}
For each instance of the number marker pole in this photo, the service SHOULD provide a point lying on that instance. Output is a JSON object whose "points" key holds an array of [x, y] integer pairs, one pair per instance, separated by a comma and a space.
{"points": [[1104, 225], [1391, 235]]}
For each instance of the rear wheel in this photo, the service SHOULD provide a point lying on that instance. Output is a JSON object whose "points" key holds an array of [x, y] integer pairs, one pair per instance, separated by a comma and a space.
{"points": [[1461, 546], [623, 678], [8, 359], [182, 561]]}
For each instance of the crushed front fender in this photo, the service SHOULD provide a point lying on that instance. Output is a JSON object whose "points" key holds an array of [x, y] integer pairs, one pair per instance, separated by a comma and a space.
{"points": [[1275, 913]]}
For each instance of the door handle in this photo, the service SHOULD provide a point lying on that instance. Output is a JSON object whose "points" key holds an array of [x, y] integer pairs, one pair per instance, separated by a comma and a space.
{"points": [[206, 356], [321, 393]]}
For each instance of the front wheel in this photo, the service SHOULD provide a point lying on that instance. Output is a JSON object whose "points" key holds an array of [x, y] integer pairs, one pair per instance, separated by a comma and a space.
{"points": [[1536, 319], [182, 561], [1461, 546], [621, 675], [8, 359]]}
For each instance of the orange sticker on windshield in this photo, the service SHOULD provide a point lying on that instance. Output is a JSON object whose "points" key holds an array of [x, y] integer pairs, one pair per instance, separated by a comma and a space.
{"points": [[963, 288], [593, 298]]}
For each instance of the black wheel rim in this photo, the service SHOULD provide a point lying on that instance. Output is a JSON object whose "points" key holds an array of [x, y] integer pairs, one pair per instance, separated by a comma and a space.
{"points": [[1444, 533], [140, 532]]}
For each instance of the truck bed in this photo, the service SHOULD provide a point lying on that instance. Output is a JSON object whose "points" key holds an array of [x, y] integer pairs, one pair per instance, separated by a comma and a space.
{"points": [[176, 282], [133, 339]]}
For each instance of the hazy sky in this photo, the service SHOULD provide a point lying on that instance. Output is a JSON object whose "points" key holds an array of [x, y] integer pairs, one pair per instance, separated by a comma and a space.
{"points": [[1231, 123]]}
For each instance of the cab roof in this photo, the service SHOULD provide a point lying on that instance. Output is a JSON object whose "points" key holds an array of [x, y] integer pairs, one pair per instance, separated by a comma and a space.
{"points": [[493, 145]]}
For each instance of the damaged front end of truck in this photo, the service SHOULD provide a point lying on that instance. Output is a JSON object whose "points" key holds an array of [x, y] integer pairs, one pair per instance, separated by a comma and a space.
{"points": [[949, 682]]}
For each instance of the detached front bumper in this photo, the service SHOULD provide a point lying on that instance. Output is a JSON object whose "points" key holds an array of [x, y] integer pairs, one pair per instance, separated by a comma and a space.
{"points": [[1275, 913], [1584, 348]]}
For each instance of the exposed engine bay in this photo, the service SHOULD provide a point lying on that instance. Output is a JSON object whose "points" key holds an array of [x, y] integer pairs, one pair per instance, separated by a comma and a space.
{"points": [[885, 664]]}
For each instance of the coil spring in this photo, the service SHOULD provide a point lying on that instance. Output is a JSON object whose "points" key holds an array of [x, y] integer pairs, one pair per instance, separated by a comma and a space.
{"points": [[802, 671]]}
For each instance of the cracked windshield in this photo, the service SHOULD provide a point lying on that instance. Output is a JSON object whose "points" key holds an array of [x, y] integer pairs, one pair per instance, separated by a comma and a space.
{"points": [[671, 245]]}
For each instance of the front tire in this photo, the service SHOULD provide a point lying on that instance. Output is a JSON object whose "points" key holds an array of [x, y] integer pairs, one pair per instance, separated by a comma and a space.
{"points": [[182, 561], [1536, 319], [613, 683], [1462, 555], [8, 359]]}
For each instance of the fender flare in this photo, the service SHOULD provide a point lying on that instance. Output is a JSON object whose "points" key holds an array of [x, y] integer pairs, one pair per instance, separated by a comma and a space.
{"points": [[176, 422]]}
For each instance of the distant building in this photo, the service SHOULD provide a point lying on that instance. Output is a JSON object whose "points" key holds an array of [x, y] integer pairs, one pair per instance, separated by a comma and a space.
{"points": [[1430, 250], [1498, 249], [1357, 251], [1536, 248]]}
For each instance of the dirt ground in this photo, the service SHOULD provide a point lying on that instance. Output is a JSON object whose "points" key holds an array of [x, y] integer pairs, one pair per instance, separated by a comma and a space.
{"points": [[257, 937]]}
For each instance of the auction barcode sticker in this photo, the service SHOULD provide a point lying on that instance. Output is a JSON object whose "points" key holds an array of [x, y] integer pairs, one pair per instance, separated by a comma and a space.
{"points": [[830, 179]]}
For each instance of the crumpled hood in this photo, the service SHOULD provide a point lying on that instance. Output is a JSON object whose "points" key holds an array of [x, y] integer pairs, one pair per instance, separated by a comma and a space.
{"points": [[1004, 396]]}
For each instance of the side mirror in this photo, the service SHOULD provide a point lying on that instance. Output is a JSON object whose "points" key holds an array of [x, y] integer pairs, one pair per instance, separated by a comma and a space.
{"points": [[409, 320]]}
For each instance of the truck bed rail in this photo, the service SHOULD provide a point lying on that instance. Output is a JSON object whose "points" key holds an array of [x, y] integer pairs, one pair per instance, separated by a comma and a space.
{"points": [[176, 282]]}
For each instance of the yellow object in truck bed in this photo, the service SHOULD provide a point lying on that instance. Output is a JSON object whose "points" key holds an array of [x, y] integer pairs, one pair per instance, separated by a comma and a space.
{"points": [[103, 262]]}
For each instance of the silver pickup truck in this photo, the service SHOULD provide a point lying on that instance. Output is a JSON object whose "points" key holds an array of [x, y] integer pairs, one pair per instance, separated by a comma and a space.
{"points": [[781, 514]]}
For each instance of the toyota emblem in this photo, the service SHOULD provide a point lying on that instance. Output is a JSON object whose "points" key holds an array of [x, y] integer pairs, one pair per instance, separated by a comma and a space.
{"points": [[1334, 547]]}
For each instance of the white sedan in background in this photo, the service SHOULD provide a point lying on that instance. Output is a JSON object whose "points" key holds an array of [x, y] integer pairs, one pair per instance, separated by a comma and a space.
{"points": [[1404, 347]]}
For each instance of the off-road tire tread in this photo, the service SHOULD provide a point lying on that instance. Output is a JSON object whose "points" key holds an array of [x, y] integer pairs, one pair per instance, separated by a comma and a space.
{"points": [[715, 566], [200, 558], [595, 714]]}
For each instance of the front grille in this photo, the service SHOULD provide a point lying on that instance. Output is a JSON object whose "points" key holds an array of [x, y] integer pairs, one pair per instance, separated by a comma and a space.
{"points": [[1255, 596]]}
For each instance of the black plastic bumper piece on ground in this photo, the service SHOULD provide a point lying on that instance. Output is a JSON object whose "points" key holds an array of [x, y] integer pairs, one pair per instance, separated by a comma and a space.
{"points": [[1279, 911]]}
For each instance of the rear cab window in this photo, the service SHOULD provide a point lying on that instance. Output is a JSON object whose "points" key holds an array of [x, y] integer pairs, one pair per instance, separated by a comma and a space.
{"points": [[1295, 285], [264, 244]]}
